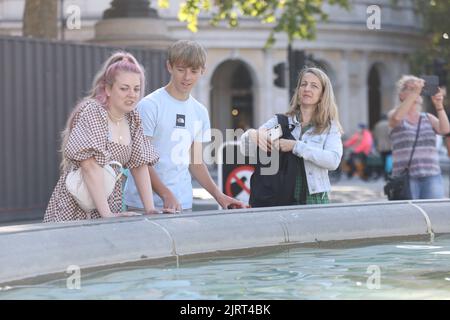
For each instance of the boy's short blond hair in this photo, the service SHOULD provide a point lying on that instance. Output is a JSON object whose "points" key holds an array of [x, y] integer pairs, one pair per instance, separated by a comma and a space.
{"points": [[187, 53]]}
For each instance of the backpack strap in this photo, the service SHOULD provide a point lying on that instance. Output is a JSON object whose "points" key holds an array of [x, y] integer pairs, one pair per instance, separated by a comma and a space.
{"points": [[415, 142], [284, 122]]}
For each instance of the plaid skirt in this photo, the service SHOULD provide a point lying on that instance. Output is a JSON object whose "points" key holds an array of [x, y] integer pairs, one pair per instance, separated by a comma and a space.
{"points": [[301, 192]]}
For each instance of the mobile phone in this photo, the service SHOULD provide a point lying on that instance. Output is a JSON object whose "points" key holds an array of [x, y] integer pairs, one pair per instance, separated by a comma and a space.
{"points": [[276, 132], [431, 86]]}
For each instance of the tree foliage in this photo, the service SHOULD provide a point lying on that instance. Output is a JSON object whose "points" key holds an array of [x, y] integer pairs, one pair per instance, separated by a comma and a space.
{"points": [[435, 57], [296, 18]]}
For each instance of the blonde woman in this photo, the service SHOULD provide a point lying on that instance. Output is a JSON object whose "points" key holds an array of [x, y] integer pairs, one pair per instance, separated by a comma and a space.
{"points": [[311, 140], [425, 177], [105, 127]]}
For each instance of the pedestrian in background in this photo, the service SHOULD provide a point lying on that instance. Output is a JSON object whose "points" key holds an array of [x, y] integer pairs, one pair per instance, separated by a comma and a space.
{"points": [[424, 171], [360, 144], [383, 144]]}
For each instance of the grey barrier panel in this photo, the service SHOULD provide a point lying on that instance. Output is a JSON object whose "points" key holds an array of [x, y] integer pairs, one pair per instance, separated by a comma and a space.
{"points": [[40, 83], [36, 250]]}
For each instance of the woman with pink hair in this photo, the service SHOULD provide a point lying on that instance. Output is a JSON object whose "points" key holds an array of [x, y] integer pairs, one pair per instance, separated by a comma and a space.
{"points": [[105, 127]]}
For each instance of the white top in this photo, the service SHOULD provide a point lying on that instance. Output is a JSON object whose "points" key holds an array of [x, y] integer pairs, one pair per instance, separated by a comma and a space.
{"points": [[173, 125]]}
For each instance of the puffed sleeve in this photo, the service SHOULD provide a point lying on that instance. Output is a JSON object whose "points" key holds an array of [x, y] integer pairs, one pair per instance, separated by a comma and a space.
{"points": [[88, 137], [143, 152]]}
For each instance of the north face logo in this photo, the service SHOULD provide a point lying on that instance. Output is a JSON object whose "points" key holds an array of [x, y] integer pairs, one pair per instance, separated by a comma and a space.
{"points": [[180, 121]]}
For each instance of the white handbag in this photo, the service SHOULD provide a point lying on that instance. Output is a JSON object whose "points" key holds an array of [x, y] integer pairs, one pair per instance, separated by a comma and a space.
{"points": [[78, 189]]}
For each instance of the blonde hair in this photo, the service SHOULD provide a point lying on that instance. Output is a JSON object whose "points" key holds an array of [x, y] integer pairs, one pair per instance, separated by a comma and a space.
{"points": [[326, 111], [403, 81], [187, 53], [119, 61], [401, 85]]}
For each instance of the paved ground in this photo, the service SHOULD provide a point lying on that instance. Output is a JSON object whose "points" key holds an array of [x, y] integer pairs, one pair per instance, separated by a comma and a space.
{"points": [[357, 190]]}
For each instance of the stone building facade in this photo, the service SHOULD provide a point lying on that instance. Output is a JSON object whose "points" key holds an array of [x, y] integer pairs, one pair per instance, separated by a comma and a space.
{"points": [[238, 85]]}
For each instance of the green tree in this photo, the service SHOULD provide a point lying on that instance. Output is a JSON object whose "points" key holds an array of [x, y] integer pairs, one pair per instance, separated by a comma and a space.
{"points": [[296, 18], [435, 57]]}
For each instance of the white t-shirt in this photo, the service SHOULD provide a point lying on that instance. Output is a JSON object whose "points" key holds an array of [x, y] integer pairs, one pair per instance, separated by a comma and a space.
{"points": [[173, 126]]}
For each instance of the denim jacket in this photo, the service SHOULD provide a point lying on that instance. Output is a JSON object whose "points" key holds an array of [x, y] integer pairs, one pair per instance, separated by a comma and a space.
{"points": [[320, 152]]}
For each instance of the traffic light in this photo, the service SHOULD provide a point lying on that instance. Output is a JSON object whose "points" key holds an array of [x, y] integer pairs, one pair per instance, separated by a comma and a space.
{"points": [[296, 60], [280, 75]]}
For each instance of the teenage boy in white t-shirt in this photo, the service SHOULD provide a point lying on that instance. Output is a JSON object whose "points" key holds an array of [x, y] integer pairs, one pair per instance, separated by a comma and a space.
{"points": [[177, 125]]}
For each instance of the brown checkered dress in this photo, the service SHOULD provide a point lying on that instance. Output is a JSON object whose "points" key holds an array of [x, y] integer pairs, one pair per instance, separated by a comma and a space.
{"points": [[89, 138]]}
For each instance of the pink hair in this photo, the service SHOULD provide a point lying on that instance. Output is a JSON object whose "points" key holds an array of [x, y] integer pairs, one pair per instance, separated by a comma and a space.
{"points": [[118, 62]]}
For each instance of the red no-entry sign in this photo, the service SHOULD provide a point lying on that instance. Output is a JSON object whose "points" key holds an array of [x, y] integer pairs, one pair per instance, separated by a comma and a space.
{"points": [[235, 172], [237, 184]]}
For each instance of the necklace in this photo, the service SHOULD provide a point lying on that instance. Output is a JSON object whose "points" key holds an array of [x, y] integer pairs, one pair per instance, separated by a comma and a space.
{"points": [[117, 122], [115, 119]]}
